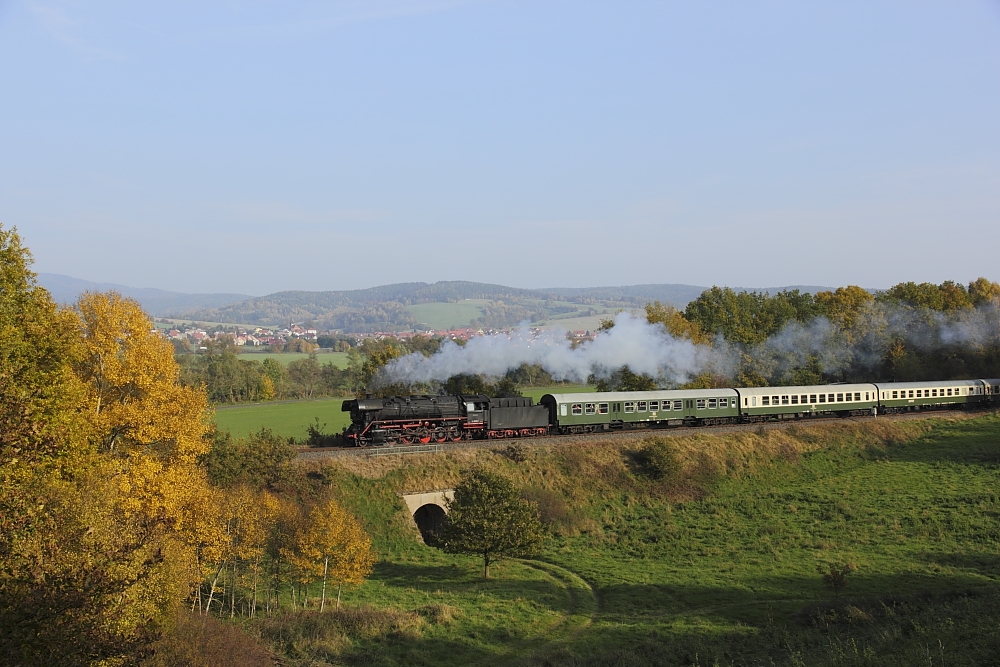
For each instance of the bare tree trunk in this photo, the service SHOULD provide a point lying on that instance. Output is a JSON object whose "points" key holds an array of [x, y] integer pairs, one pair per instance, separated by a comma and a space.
{"points": [[486, 566], [253, 605], [232, 596], [339, 586], [211, 593], [322, 604]]}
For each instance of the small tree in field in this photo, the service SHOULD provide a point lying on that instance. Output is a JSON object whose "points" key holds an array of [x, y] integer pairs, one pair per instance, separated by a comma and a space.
{"points": [[835, 576], [488, 517]]}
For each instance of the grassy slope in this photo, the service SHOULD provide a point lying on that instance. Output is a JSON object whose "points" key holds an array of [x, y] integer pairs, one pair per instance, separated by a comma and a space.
{"points": [[718, 566]]}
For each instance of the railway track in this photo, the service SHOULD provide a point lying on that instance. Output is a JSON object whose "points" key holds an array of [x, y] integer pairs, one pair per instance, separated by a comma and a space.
{"points": [[312, 454]]}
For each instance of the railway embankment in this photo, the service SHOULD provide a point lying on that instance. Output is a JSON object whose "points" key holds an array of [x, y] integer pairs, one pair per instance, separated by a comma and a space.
{"points": [[622, 437]]}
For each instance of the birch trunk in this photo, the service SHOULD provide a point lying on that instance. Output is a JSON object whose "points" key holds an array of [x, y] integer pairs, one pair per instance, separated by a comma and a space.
{"points": [[322, 604], [211, 593]]}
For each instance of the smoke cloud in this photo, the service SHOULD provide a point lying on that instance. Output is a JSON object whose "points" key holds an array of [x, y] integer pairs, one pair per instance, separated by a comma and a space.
{"points": [[643, 347], [649, 349]]}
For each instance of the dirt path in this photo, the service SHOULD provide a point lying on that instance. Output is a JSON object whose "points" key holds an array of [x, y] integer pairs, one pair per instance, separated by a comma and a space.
{"points": [[582, 609]]}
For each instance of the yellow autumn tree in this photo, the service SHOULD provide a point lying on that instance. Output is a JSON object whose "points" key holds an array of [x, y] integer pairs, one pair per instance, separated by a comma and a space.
{"points": [[844, 305], [675, 323], [332, 544], [245, 520], [149, 431]]}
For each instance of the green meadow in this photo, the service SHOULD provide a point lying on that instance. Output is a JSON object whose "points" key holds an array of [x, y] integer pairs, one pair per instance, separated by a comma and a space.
{"points": [[448, 315], [714, 564], [286, 418], [291, 418], [339, 359]]}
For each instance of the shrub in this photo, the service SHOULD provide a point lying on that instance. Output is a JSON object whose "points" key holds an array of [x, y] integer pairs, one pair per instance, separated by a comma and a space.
{"points": [[659, 459], [204, 641]]}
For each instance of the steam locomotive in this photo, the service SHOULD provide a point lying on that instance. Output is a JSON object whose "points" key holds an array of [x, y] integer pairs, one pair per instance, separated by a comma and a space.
{"points": [[403, 420]]}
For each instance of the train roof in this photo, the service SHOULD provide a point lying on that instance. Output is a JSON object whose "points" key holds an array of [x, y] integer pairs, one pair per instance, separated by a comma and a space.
{"points": [[930, 385], [806, 389], [657, 395]]}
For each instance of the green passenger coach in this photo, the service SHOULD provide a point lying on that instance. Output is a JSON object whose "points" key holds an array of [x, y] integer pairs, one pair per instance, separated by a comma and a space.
{"points": [[762, 403], [912, 396], [605, 411]]}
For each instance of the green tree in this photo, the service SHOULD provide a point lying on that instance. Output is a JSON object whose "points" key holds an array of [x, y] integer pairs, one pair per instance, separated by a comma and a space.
{"points": [[844, 305], [262, 459], [983, 291], [624, 379], [835, 576], [489, 518], [305, 375], [674, 322]]}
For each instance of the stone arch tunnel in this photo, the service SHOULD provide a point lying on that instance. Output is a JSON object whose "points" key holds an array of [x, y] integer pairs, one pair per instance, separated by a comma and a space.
{"points": [[428, 510]]}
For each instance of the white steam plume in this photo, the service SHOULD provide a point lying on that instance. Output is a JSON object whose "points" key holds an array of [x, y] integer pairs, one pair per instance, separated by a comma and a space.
{"points": [[643, 347]]}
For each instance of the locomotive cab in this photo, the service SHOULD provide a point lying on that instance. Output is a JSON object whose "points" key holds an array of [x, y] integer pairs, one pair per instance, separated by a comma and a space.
{"points": [[476, 409]]}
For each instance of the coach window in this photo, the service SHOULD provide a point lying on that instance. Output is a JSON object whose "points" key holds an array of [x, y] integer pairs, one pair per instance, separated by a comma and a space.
{"points": [[602, 408], [562, 409], [822, 398], [829, 398], [678, 405], [866, 395], [578, 408], [589, 408], [784, 400], [894, 394], [654, 406], [699, 404], [933, 392], [641, 406], [629, 406], [840, 398], [775, 400], [911, 394], [711, 403], [764, 400], [949, 391], [795, 399], [812, 398], [666, 405]]}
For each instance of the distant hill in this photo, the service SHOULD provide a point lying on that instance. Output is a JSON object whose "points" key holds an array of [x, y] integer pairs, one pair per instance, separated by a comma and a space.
{"points": [[398, 307], [156, 302], [389, 307]]}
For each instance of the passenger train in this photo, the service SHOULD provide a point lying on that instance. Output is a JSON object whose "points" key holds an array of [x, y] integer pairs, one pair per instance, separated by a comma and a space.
{"points": [[402, 420]]}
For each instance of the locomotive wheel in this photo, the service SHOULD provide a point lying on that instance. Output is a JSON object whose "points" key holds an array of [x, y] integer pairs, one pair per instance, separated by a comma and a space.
{"points": [[454, 434], [440, 435], [406, 438], [424, 435]]}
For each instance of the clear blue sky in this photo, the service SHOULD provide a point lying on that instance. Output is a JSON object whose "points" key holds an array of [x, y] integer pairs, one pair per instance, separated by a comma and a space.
{"points": [[262, 146]]}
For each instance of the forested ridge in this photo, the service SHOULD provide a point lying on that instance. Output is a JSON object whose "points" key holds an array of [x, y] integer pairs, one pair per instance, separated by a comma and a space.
{"points": [[385, 308]]}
